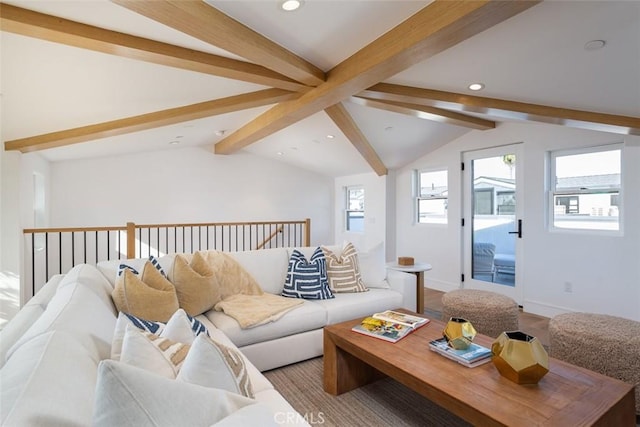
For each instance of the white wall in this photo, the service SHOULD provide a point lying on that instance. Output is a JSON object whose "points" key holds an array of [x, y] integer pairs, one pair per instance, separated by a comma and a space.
{"points": [[188, 185], [375, 211], [16, 213], [604, 270]]}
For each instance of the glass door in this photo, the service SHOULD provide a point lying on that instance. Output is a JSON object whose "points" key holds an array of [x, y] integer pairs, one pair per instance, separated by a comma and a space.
{"points": [[493, 220]]}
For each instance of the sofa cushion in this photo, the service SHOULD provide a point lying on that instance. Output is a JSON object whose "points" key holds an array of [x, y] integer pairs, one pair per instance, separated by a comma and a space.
{"points": [[197, 286], [267, 266], [22, 321], [156, 354], [150, 296], [343, 270], [51, 380], [129, 396], [372, 267], [305, 317], [212, 364], [91, 279], [307, 278], [78, 310], [349, 306]]}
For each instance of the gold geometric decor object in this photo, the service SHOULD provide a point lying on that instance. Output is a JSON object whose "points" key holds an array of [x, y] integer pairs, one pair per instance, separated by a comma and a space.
{"points": [[519, 357], [459, 333]]}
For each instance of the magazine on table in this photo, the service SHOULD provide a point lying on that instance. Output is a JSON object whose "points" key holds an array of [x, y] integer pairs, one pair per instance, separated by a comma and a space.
{"points": [[389, 330], [408, 320], [473, 356]]}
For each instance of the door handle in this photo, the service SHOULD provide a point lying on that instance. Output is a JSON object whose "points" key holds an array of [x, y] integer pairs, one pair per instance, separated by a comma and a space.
{"points": [[519, 231]]}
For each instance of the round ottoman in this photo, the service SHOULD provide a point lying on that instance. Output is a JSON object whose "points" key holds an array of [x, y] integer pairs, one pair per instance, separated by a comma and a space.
{"points": [[489, 313], [606, 344]]}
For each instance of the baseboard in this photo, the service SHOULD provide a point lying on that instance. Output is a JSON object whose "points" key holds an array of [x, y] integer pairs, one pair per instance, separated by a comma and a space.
{"points": [[440, 285], [544, 309]]}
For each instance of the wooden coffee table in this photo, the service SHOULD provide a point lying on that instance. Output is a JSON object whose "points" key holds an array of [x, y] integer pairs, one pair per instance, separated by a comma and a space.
{"points": [[567, 396]]}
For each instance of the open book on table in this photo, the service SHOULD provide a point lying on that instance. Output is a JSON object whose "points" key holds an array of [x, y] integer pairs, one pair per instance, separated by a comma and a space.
{"points": [[470, 357], [390, 325]]}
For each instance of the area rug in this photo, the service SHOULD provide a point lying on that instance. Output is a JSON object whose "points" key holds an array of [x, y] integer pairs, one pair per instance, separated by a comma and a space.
{"points": [[382, 403]]}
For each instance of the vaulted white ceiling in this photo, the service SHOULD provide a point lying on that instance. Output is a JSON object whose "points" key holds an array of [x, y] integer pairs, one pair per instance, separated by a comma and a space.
{"points": [[537, 56]]}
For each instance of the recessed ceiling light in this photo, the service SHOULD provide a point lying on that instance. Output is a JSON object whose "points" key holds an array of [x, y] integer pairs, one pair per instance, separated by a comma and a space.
{"points": [[330, 136], [290, 5], [220, 132], [594, 45], [476, 86], [280, 153], [174, 143]]}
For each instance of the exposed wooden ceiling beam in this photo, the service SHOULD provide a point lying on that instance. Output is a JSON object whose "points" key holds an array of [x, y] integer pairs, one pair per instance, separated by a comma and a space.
{"points": [[425, 112], [38, 25], [150, 120], [344, 121], [504, 109], [439, 26], [206, 23]]}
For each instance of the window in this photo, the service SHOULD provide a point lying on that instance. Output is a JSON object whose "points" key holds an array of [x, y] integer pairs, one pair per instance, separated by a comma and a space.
{"points": [[432, 196], [585, 188], [355, 209]]}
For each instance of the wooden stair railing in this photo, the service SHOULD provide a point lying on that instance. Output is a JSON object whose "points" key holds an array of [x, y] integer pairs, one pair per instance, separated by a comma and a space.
{"points": [[50, 251]]}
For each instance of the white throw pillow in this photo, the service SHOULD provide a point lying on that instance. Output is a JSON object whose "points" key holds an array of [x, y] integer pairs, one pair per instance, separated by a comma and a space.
{"points": [[129, 396], [211, 364], [373, 267], [153, 353], [180, 328]]}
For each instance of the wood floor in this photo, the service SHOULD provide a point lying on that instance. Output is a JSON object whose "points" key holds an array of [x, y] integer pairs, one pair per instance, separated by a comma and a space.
{"points": [[531, 324]]}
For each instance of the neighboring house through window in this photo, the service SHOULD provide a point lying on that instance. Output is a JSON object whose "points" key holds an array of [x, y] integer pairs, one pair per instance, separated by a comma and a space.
{"points": [[355, 209], [584, 188], [432, 196]]}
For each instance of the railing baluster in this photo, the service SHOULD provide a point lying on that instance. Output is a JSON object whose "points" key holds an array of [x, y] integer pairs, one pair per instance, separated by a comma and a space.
{"points": [[60, 253], [33, 263], [46, 256]]}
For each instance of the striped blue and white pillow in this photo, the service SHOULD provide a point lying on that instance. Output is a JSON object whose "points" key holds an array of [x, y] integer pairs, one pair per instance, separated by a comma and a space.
{"points": [[153, 260], [307, 279]]}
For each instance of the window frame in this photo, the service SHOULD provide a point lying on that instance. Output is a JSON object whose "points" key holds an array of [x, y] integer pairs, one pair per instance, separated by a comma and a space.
{"points": [[444, 220], [553, 192], [348, 211]]}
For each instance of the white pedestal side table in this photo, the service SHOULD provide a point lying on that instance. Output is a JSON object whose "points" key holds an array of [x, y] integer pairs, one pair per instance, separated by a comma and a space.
{"points": [[418, 269]]}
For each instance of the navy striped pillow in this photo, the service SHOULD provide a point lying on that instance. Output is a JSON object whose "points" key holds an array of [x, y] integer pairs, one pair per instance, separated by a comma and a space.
{"points": [[153, 260], [156, 327], [307, 279]]}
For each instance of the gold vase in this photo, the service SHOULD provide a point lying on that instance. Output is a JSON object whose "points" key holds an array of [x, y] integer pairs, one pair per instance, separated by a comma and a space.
{"points": [[459, 333], [519, 357]]}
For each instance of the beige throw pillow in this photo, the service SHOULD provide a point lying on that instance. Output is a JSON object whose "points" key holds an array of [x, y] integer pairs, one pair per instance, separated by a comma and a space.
{"points": [[197, 285], [232, 277], [150, 296], [213, 364], [343, 271]]}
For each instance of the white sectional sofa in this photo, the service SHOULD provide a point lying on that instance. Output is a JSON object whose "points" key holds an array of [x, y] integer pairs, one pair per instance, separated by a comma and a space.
{"points": [[51, 351]]}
